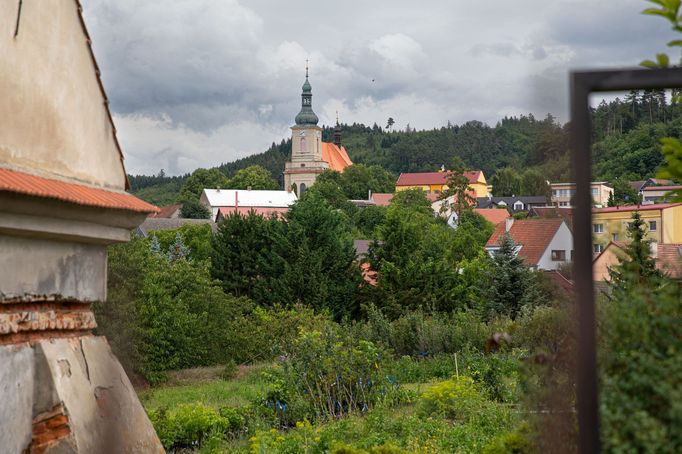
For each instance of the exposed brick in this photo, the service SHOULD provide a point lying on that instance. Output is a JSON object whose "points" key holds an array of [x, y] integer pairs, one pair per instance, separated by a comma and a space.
{"points": [[48, 428]]}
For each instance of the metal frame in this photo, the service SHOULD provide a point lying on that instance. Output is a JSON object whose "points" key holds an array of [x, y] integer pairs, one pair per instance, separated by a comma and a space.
{"points": [[582, 84]]}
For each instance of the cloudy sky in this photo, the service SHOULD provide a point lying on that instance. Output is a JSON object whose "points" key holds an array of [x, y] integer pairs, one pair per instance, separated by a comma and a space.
{"points": [[195, 83]]}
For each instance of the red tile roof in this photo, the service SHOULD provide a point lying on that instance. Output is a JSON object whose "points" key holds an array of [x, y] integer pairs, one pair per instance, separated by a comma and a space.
{"points": [[166, 211], [424, 178], [534, 235], [382, 199], [335, 156], [492, 215], [32, 185], [627, 208]]}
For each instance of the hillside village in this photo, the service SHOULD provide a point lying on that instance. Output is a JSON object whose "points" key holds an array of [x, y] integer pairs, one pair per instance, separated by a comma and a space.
{"points": [[351, 290]]}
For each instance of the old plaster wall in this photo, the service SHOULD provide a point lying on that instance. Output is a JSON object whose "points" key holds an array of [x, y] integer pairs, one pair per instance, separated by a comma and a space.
{"points": [[45, 267], [54, 120]]}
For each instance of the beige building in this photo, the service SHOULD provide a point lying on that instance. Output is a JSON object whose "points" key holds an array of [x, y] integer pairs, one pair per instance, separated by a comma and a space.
{"points": [[562, 193], [62, 201], [310, 156], [663, 224]]}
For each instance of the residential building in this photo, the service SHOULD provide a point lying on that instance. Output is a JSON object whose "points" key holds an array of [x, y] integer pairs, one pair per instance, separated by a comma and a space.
{"points": [[266, 212], [562, 193], [638, 186], [658, 194], [663, 222], [243, 200], [544, 244], [437, 182], [668, 258], [493, 215], [168, 211], [382, 199], [514, 204], [309, 155], [63, 200]]}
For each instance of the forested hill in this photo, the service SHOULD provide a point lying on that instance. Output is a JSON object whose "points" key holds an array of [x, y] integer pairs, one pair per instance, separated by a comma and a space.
{"points": [[626, 133]]}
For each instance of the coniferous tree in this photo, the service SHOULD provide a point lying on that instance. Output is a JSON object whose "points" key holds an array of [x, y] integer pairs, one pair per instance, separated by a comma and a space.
{"points": [[637, 266]]}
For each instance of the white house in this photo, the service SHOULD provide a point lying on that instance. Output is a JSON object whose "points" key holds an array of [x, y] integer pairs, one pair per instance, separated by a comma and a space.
{"points": [[543, 244], [214, 199]]}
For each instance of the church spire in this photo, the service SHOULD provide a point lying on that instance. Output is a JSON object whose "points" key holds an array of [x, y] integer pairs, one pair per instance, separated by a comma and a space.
{"points": [[337, 131], [306, 116]]}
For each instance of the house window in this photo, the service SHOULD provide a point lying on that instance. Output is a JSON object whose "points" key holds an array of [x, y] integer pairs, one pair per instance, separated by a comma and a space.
{"points": [[614, 237], [563, 204], [558, 256], [598, 228], [595, 192], [653, 225], [597, 248], [518, 206]]}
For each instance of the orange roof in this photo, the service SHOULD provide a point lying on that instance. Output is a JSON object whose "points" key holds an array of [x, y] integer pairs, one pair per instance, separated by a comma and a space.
{"points": [[335, 156], [166, 211], [534, 235], [424, 178], [382, 199], [368, 274], [32, 185], [492, 215]]}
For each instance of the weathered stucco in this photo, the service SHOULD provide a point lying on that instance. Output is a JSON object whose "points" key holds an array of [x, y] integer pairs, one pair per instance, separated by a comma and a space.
{"points": [[16, 388], [54, 119], [44, 267]]}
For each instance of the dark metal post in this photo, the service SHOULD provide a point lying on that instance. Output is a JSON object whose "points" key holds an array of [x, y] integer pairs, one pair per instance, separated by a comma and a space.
{"points": [[587, 405]]}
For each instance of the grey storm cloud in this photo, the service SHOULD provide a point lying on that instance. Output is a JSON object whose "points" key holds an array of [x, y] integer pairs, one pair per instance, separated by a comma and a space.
{"points": [[194, 83]]}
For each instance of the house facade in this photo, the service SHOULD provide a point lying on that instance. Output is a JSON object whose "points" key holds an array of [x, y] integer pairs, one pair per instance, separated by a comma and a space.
{"points": [[544, 244], [562, 193], [668, 259], [245, 200], [663, 222], [310, 156], [436, 182], [512, 204], [659, 194]]}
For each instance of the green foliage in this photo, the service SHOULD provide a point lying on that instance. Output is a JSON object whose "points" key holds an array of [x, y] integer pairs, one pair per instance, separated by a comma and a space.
{"points": [[458, 186], [195, 237], [640, 360], [193, 209], [534, 182], [366, 220], [202, 179], [456, 399], [636, 268], [672, 153], [229, 371], [326, 375], [512, 284], [254, 177], [516, 442], [413, 200], [623, 194], [506, 182], [190, 425]]}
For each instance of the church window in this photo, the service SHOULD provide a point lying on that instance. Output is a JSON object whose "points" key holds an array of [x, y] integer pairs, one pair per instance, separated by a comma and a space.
{"points": [[300, 193], [302, 144]]}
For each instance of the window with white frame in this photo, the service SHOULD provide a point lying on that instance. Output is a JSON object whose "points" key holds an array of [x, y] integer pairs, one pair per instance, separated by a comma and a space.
{"points": [[653, 225], [615, 237], [597, 248], [598, 228]]}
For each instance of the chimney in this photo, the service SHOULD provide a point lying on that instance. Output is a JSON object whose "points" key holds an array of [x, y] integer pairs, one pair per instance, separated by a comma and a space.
{"points": [[508, 224]]}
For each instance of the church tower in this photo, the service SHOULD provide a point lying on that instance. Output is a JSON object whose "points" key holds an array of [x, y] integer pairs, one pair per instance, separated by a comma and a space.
{"points": [[309, 155]]}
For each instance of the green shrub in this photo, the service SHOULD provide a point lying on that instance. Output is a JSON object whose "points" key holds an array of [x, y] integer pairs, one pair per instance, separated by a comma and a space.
{"points": [[188, 425], [456, 399], [229, 371], [516, 442]]}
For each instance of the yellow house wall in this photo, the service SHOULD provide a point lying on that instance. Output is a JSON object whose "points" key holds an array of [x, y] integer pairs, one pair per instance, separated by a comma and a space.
{"points": [[53, 119], [600, 267], [481, 189], [672, 225], [617, 223]]}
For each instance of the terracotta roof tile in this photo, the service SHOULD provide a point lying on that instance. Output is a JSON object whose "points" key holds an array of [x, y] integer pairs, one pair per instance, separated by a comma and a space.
{"points": [[167, 211], [534, 235], [382, 199], [335, 156], [663, 188], [492, 215], [27, 184], [424, 178]]}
